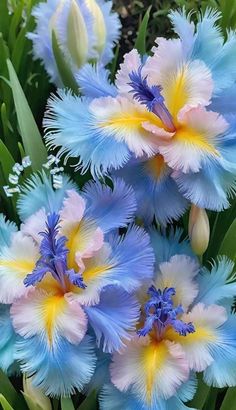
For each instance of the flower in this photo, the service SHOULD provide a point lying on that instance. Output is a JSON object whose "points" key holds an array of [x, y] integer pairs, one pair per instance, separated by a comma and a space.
{"points": [[156, 191], [185, 327], [69, 277], [86, 30], [171, 106]]}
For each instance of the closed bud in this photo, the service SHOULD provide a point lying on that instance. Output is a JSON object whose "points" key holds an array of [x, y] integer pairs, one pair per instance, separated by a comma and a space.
{"points": [[77, 36], [199, 230], [35, 396], [99, 26]]}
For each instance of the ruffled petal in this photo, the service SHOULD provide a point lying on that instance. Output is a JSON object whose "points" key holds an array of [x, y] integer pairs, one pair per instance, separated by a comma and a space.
{"points": [[34, 225], [72, 125], [49, 316], [94, 82], [38, 192], [183, 82], [217, 285], [16, 262], [195, 140], [132, 62], [7, 228], [222, 370], [111, 208], [165, 246], [123, 120], [113, 318], [60, 370], [198, 346], [180, 273], [126, 261], [155, 191], [8, 339], [154, 370]]}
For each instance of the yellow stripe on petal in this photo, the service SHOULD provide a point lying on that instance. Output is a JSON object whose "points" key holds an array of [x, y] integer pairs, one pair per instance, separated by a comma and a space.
{"points": [[20, 266], [201, 334], [52, 307], [125, 121], [189, 84], [154, 358], [194, 137], [156, 166]]}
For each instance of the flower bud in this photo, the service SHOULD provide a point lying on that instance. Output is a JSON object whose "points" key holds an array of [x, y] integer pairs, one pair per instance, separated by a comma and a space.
{"points": [[34, 396], [99, 26], [77, 36], [199, 229]]}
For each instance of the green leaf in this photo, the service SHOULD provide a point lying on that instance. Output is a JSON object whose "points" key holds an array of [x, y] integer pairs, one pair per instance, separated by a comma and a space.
{"points": [[7, 160], [67, 404], [7, 389], [200, 396], [30, 134], [90, 403], [140, 43], [228, 244], [229, 402], [63, 68], [4, 403]]}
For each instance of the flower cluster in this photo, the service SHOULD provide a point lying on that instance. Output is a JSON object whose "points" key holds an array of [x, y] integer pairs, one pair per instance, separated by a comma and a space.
{"points": [[168, 122], [97, 293]]}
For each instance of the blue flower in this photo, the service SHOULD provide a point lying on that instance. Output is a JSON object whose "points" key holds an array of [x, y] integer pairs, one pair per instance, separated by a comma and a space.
{"points": [[154, 114], [185, 327], [86, 30], [70, 276]]}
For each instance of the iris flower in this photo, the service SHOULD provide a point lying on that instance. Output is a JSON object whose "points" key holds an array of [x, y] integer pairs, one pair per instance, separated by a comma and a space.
{"points": [[68, 276], [170, 110], [185, 327], [86, 30]]}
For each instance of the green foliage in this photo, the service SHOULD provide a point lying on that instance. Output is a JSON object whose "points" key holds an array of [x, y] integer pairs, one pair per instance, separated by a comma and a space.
{"points": [[140, 43], [30, 134], [63, 68], [67, 404]]}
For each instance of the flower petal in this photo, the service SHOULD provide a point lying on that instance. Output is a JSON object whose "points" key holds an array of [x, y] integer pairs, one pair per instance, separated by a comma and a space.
{"points": [[217, 285], [7, 228], [179, 272], [132, 62], [94, 82], [111, 208], [58, 371], [112, 319], [38, 192], [50, 316], [16, 262], [198, 345], [71, 124], [154, 369], [123, 120], [195, 140]]}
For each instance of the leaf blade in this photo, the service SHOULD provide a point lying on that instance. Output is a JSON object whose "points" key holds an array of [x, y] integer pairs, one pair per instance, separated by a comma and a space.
{"points": [[30, 134]]}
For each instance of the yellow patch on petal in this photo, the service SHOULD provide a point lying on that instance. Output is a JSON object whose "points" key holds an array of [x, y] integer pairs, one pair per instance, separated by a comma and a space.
{"points": [[154, 357], [78, 241], [190, 136], [175, 92], [156, 166], [20, 266], [201, 334], [52, 307], [131, 121]]}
